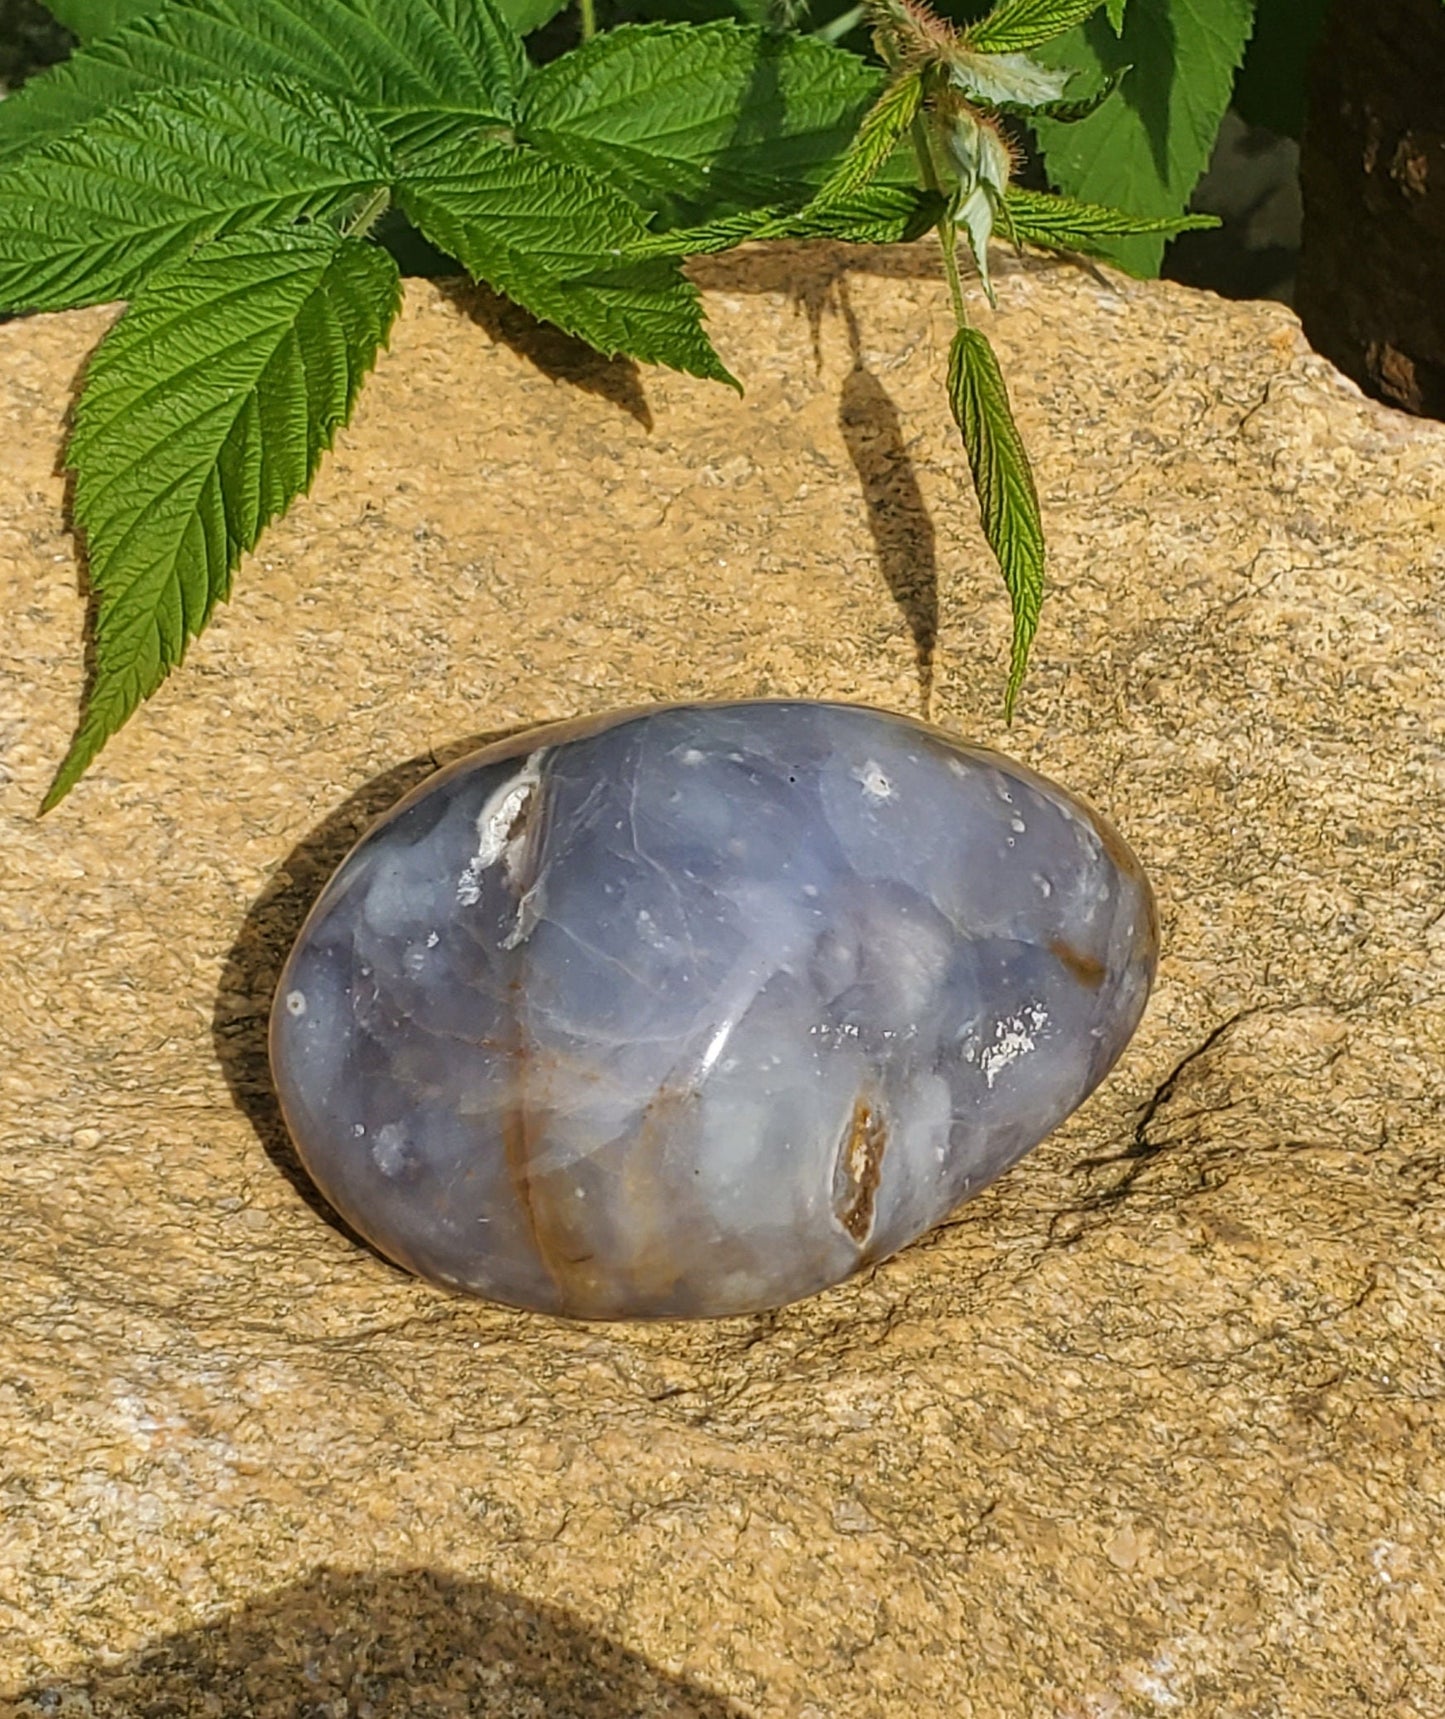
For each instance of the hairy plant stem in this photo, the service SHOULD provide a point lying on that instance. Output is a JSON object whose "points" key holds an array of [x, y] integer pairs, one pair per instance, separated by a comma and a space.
{"points": [[947, 229], [587, 14], [948, 236], [370, 212], [932, 181]]}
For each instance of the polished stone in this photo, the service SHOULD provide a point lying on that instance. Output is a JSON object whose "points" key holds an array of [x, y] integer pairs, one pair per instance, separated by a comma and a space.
{"points": [[698, 1010]]}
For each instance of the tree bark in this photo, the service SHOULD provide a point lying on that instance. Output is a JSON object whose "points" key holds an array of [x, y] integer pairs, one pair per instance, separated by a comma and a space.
{"points": [[1371, 285]]}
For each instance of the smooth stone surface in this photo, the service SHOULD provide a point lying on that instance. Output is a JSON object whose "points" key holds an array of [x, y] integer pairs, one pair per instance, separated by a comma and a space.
{"points": [[700, 1010]]}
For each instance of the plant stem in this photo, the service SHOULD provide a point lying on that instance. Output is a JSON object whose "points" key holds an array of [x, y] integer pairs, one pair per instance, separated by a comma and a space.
{"points": [[836, 28], [947, 231], [948, 235], [928, 168], [587, 11], [370, 212]]}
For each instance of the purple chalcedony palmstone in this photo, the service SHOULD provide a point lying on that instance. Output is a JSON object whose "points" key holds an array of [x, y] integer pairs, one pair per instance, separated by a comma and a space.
{"points": [[697, 1010]]}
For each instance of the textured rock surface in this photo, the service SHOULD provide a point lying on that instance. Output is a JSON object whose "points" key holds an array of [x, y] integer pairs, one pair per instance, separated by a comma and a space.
{"points": [[1154, 1426], [704, 1010]]}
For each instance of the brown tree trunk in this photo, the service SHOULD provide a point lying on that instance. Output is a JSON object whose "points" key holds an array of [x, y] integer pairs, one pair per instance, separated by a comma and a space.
{"points": [[1371, 286]]}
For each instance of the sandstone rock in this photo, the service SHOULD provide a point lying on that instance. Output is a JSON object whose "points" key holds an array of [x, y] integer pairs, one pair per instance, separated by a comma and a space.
{"points": [[1152, 1426]]}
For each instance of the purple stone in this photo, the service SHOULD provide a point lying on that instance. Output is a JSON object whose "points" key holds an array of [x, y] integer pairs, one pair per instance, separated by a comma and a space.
{"points": [[697, 1010]]}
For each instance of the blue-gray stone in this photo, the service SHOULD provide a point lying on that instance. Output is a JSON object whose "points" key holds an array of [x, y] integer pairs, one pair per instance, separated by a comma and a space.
{"points": [[697, 1010]]}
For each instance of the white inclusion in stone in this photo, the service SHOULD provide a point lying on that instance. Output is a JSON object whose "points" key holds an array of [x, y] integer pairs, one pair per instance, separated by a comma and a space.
{"points": [[432, 939], [692, 756], [1017, 825], [1045, 888], [1013, 1037], [358, 1129], [389, 1152], [715, 1048], [529, 911], [501, 830], [875, 784], [295, 1002]]}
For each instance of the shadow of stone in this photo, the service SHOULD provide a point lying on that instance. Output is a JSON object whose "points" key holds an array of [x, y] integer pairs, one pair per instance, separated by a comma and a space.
{"points": [[391, 1644], [253, 964], [560, 357], [1232, 267]]}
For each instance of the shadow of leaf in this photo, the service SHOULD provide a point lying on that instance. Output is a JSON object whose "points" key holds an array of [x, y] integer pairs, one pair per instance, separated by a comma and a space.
{"points": [[1148, 42], [560, 357], [391, 1644], [811, 274], [903, 534], [797, 266]]}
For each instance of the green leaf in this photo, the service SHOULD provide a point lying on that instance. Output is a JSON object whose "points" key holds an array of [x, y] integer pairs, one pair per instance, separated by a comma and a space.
{"points": [[1008, 503], [709, 11], [882, 129], [206, 410], [1114, 12], [699, 121], [1062, 224], [557, 240], [87, 218], [87, 18], [527, 15], [1146, 149], [389, 56], [1014, 26], [876, 215]]}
